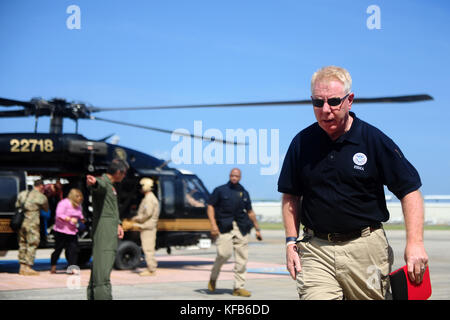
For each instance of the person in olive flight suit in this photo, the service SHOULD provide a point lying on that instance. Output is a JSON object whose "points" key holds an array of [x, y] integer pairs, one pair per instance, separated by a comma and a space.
{"points": [[106, 228], [231, 216]]}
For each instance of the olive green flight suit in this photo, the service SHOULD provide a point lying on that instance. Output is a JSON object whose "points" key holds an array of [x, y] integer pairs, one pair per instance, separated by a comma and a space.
{"points": [[105, 239]]}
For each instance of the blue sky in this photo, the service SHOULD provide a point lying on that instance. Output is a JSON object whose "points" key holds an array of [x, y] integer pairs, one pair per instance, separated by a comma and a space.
{"points": [[144, 53]]}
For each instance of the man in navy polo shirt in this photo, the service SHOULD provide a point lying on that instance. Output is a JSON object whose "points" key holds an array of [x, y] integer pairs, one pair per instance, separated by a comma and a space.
{"points": [[332, 181], [232, 217]]}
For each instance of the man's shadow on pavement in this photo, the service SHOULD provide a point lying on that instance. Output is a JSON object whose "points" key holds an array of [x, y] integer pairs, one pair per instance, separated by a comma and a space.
{"points": [[216, 292]]}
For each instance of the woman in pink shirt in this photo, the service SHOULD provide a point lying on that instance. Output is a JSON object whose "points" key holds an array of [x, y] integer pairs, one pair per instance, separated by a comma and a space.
{"points": [[68, 213]]}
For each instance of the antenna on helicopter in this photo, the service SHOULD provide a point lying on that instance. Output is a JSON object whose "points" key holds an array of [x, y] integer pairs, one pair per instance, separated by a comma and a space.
{"points": [[165, 163]]}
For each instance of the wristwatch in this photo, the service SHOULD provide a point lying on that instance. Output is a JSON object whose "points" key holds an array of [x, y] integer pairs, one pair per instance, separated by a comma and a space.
{"points": [[291, 240]]}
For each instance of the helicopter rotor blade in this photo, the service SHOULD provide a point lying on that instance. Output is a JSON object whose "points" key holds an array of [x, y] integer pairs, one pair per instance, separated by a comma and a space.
{"points": [[393, 99], [399, 99], [194, 106], [14, 114], [10, 103], [211, 139]]}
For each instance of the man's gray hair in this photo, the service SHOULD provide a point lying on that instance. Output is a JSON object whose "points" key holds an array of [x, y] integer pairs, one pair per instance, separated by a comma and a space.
{"points": [[333, 73]]}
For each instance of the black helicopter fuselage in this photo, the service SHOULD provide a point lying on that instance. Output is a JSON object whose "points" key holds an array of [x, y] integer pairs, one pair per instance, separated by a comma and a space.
{"points": [[70, 157], [65, 152]]}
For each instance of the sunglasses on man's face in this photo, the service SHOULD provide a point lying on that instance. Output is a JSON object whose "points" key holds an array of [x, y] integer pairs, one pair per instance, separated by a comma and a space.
{"points": [[332, 102]]}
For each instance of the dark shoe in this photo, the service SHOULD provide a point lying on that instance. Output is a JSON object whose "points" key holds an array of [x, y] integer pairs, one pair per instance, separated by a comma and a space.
{"points": [[241, 292], [212, 285], [53, 269]]}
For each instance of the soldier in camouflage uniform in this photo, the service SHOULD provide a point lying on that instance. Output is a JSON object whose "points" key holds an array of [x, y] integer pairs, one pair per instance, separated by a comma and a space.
{"points": [[29, 233]]}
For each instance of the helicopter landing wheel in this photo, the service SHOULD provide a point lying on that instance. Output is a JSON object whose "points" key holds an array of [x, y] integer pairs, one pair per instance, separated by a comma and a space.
{"points": [[128, 256]]}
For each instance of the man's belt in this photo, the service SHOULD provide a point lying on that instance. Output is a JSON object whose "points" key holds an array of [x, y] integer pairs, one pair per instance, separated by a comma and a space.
{"points": [[343, 237]]}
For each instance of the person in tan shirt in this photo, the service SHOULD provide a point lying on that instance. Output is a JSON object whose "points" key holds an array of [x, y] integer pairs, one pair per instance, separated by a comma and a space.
{"points": [[147, 220]]}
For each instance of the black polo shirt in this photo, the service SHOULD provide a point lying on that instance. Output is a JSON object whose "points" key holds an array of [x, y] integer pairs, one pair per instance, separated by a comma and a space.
{"points": [[342, 181], [231, 202]]}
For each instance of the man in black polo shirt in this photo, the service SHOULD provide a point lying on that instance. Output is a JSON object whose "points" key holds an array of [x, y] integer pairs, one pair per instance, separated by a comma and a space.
{"points": [[231, 216], [338, 167]]}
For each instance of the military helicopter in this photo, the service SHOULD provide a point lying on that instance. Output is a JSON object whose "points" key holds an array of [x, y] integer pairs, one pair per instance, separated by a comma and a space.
{"points": [[67, 157]]}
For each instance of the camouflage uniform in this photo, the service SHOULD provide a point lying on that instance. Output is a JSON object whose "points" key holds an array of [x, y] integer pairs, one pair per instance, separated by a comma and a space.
{"points": [[29, 233], [147, 220]]}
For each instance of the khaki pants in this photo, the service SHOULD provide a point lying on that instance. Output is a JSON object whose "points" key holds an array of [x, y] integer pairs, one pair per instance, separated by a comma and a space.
{"points": [[353, 270], [225, 244], [148, 240]]}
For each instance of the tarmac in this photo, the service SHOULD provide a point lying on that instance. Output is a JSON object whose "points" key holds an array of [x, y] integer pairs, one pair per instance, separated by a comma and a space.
{"points": [[183, 275]]}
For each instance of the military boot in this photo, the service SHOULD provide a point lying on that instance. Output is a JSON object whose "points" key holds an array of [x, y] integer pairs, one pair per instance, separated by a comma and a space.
{"points": [[22, 269], [147, 273], [29, 271]]}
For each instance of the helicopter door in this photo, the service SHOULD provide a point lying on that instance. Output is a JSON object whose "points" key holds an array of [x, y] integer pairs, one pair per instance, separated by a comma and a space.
{"points": [[195, 197], [11, 183]]}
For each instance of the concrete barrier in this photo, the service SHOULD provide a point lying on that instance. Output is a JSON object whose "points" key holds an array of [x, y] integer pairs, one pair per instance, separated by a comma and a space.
{"points": [[435, 212]]}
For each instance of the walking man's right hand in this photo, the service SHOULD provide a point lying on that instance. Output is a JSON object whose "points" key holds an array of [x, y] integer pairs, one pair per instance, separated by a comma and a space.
{"points": [[293, 260]]}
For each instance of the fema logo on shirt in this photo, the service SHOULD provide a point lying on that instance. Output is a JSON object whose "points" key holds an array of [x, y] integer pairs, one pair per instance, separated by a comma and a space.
{"points": [[359, 159]]}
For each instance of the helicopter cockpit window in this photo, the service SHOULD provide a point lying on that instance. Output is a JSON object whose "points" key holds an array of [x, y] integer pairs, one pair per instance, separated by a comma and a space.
{"points": [[194, 193], [9, 186], [169, 196]]}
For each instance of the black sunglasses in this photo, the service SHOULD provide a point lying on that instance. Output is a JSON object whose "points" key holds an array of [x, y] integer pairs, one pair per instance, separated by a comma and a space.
{"points": [[332, 102]]}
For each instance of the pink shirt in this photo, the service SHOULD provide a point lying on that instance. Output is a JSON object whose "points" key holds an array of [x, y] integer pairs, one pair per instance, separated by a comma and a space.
{"points": [[63, 210]]}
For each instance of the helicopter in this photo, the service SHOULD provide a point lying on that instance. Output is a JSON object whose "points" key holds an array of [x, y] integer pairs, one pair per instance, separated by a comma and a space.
{"points": [[66, 159]]}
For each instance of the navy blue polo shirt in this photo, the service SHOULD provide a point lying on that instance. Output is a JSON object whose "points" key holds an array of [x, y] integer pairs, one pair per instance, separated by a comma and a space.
{"points": [[342, 181], [231, 202]]}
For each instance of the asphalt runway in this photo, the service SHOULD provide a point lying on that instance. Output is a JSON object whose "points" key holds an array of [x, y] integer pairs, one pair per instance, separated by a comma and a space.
{"points": [[184, 274]]}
